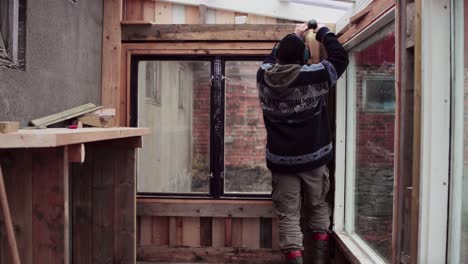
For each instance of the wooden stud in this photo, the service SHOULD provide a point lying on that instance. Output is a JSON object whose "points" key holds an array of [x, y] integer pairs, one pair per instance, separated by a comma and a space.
{"points": [[146, 230], [163, 13], [251, 233], [192, 15], [134, 9], [149, 10], [172, 231], [228, 230], [191, 231], [206, 228], [76, 153], [160, 230], [237, 232], [274, 234], [218, 232], [111, 52], [82, 209], [224, 17]]}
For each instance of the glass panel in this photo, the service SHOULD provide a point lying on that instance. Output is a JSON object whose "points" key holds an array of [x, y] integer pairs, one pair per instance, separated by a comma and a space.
{"points": [[174, 102], [245, 134], [373, 71]]}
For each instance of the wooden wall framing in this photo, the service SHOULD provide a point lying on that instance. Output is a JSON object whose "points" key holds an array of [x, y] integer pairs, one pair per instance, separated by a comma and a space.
{"points": [[212, 231]]}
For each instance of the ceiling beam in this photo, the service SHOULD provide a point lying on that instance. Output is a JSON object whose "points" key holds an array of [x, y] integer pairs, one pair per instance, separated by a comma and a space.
{"points": [[271, 8]]}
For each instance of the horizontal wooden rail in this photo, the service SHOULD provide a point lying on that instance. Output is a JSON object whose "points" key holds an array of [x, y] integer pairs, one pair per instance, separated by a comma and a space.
{"points": [[205, 208]]}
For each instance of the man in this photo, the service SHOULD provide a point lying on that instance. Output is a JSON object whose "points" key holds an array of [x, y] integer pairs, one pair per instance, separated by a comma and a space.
{"points": [[299, 144]]}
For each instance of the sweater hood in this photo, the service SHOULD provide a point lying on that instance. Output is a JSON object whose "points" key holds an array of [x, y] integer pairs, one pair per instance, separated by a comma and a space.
{"points": [[280, 77]]}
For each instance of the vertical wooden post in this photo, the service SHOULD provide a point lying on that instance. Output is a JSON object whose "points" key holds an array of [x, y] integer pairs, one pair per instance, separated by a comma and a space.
{"points": [[111, 95]]}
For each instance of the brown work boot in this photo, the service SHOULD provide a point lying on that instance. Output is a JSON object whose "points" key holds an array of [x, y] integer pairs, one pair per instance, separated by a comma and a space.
{"points": [[294, 257], [320, 247]]}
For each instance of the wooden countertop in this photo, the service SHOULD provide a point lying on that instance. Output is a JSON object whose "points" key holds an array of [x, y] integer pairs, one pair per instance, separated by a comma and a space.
{"points": [[54, 137]]}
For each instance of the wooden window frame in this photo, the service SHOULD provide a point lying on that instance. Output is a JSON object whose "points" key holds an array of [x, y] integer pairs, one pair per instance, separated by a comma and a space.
{"points": [[215, 52], [356, 249]]}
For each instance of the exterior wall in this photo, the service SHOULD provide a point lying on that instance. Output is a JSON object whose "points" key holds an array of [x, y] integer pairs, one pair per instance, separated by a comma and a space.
{"points": [[63, 61]]}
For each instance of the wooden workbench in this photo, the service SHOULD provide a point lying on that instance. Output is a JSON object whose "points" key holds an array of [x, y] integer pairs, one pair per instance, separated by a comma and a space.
{"points": [[64, 209]]}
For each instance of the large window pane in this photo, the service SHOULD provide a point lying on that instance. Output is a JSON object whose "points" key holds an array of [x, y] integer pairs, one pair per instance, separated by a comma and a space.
{"points": [[245, 134], [174, 101], [372, 75]]}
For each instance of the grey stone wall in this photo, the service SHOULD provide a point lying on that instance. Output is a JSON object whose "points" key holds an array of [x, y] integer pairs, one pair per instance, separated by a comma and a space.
{"points": [[63, 60]]}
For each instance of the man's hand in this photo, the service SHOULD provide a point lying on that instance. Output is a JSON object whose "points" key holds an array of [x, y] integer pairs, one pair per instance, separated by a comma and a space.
{"points": [[319, 26], [300, 30]]}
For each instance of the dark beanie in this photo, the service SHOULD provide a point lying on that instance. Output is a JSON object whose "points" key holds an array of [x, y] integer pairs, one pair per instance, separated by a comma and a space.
{"points": [[291, 50]]}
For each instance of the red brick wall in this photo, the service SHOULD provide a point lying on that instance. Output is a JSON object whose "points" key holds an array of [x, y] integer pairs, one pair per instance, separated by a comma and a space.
{"points": [[245, 134]]}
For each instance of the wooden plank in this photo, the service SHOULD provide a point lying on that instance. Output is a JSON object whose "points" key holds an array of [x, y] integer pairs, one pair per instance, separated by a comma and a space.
{"points": [[237, 232], [199, 46], [163, 13], [227, 32], [206, 228], [417, 114], [50, 206], [208, 255], [255, 19], [205, 209], [65, 115], [192, 15], [202, 14], [124, 203], [82, 209], [179, 231], [76, 153], [252, 53], [146, 230], [17, 171], [149, 10], [266, 233], [160, 231], [8, 127], [191, 231], [111, 48], [271, 20], [134, 9], [228, 230], [251, 233], [274, 234], [224, 17], [172, 231], [103, 206], [219, 232], [54, 137], [314, 48], [377, 9]]}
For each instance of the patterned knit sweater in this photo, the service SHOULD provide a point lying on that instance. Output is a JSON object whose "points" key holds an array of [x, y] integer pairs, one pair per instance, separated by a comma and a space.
{"points": [[293, 99]]}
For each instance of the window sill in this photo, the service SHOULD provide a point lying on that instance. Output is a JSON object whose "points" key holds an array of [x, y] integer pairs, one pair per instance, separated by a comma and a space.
{"points": [[355, 249]]}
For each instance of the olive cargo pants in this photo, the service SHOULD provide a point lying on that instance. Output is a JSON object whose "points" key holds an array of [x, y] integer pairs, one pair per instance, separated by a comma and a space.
{"points": [[287, 199]]}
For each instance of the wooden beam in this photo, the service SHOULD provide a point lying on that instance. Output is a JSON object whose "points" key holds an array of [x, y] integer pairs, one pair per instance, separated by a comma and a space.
{"points": [[228, 32], [111, 45], [376, 9], [9, 127], [76, 153], [209, 255], [277, 9], [205, 209]]}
